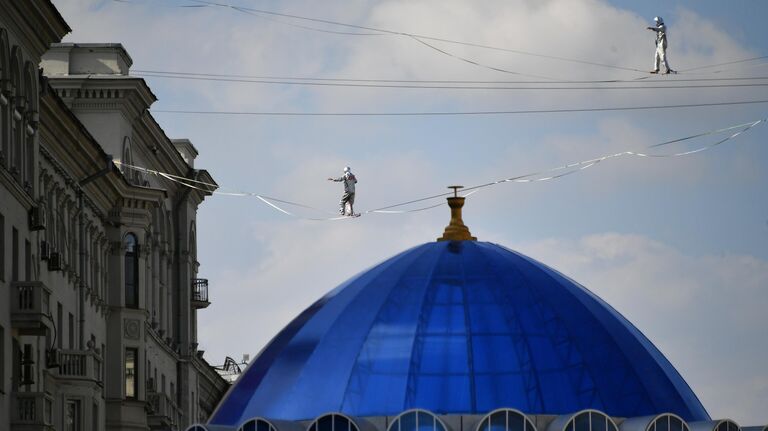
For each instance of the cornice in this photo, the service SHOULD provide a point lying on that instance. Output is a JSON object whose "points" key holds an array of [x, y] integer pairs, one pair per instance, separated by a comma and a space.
{"points": [[37, 22], [103, 92]]}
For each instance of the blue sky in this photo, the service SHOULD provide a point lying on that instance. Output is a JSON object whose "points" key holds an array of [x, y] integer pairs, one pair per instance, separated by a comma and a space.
{"points": [[679, 246]]}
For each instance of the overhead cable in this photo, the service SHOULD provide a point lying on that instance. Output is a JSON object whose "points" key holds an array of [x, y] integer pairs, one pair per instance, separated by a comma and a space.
{"points": [[421, 38], [414, 35], [727, 63], [670, 78], [453, 87], [457, 113], [537, 176], [347, 33]]}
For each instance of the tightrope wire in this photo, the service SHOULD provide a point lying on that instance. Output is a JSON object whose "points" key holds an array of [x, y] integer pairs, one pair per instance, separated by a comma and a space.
{"points": [[538, 176]]}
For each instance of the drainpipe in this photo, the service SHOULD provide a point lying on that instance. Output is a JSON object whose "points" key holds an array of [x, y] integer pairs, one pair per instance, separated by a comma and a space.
{"points": [[81, 222]]}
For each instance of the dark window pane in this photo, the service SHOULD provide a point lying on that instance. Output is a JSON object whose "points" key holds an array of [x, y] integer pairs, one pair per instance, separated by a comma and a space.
{"points": [[581, 422], [131, 268], [676, 424], [498, 421], [662, 424], [427, 422], [516, 421], [408, 422], [325, 423], [340, 423], [599, 422]]}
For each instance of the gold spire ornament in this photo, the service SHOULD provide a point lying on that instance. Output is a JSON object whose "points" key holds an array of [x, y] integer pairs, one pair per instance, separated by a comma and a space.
{"points": [[456, 229]]}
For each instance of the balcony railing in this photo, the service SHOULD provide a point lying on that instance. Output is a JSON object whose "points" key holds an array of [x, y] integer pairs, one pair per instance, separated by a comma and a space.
{"points": [[163, 412], [80, 365], [200, 293], [32, 408], [30, 307]]}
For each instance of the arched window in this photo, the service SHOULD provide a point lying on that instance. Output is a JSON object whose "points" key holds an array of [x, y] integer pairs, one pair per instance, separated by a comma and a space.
{"points": [[131, 271], [668, 422], [590, 420], [16, 108], [127, 158], [333, 422], [28, 139], [257, 424], [416, 420], [727, 425], [506, 420], [197, 428], [4, 99]]}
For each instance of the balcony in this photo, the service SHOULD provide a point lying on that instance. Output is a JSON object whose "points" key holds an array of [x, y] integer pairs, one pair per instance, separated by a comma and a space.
{"points": [[83, 365], [200, 293], [30, 307], [32, 410], [163, 412]]}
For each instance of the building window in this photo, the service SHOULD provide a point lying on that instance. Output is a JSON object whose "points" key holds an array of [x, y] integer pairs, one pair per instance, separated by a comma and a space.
{"points": [[131, 373], [257, 425], [668, 422], [72, 416], [2, 360], [95, 417], [71, 331], [27, 363], [27, 260], [2, 247], [333, 422], [727, 425], [15, 255], [590, 420], [131, 271], [506, 420], [416, 420], [59, 325]]}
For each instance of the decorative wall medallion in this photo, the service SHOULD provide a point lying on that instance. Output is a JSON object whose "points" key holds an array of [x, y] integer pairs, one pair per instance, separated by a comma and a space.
{"points": [[132, 329]]}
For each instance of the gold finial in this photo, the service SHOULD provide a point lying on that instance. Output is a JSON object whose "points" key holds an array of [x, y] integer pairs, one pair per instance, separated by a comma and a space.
{"points": [[456, 230]]}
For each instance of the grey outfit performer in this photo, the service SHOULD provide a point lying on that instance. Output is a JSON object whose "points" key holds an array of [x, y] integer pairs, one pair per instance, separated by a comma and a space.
{"points": [[661, 45], [349, 181]]}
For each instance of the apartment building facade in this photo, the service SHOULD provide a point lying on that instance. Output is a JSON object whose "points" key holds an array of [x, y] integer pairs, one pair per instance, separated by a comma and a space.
{"points": [[99, 285]]}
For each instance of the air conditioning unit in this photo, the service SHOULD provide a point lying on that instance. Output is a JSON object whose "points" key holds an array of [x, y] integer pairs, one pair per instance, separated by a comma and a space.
{"points": [[45, 250], [54, 261], [37, 218]]}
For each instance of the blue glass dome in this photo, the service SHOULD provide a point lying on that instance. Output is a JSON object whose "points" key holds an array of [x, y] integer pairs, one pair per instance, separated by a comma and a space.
{"points": [[458, 327]]}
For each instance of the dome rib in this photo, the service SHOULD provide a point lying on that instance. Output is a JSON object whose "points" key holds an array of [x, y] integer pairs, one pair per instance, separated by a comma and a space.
{"points": [[589, 302], [539, 406], [424, 252], [608, 316], [339, 341], [542, 301]]}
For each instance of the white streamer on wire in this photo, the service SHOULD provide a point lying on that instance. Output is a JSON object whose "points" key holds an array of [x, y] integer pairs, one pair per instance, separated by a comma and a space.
{"points": [[572, 168], [539, 176]]}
